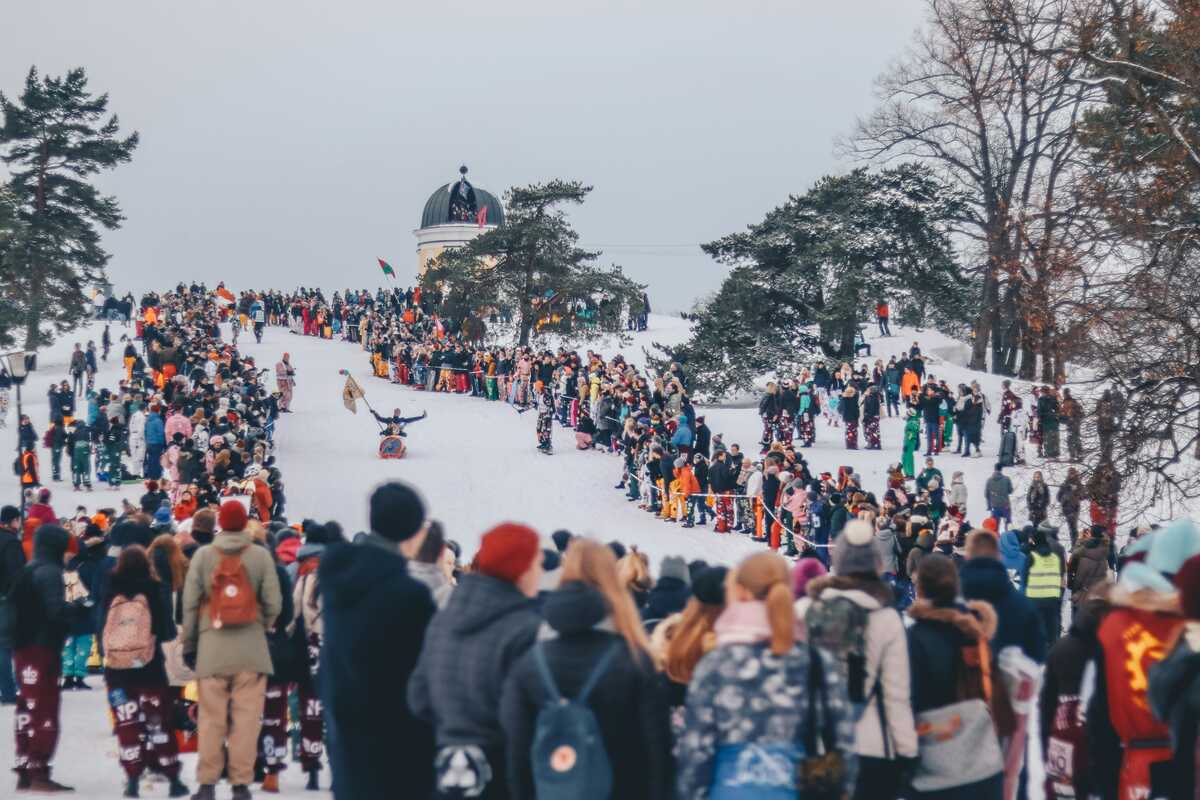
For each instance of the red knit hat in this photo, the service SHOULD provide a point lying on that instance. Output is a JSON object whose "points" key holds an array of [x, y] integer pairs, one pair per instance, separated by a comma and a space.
{"points": [[506, 551], [232, 516]]}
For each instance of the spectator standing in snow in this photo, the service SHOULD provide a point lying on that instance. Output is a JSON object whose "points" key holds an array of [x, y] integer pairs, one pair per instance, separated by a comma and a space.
{"points": [[998, 494]]}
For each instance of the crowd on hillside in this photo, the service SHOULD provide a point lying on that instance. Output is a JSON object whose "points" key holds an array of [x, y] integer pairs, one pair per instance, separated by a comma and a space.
{"points": [[899, 655]]}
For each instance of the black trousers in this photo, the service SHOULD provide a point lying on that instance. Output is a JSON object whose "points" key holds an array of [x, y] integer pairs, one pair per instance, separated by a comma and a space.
{"points": [[878, 779]]}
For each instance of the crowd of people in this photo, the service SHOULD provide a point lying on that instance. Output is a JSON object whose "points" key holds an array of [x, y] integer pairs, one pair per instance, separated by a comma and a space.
{"points": [[898, 654]]}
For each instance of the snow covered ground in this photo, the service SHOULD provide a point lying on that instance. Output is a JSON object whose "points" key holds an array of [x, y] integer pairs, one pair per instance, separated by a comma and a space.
{"points": [[476, 465]]}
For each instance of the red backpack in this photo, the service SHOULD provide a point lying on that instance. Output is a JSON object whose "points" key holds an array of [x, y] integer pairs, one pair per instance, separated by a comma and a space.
{"points": [[232, 602]]}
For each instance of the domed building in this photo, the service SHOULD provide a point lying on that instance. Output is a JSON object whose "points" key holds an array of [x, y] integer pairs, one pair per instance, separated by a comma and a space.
{"points": [[454, 215]]}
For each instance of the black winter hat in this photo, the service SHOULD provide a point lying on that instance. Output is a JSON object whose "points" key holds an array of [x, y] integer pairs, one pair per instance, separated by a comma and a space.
{"points": [[397, 512], [709, 586], [562, 538]]}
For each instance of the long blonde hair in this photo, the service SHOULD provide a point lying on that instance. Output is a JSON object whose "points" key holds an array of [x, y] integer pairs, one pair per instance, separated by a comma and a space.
{"points": [[691, 638], [594, 564], [764, 576], [633, 571]]}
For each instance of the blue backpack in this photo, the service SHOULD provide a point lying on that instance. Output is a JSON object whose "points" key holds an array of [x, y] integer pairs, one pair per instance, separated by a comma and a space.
{"points": [[569, 759]]}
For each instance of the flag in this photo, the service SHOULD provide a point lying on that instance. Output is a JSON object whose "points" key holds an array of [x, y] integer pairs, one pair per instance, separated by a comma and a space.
{"points": [[481, 217], [351, 392], [386, 267]]}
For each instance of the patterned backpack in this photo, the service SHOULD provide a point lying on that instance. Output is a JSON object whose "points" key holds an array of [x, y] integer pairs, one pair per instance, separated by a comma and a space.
{"points": [[838, 626], [128, 636]]}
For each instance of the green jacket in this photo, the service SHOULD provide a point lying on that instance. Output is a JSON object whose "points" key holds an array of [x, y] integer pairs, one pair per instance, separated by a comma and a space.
{"points": [[227, 651]]}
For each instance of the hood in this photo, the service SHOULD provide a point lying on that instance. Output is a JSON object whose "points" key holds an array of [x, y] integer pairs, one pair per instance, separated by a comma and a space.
{"points": [[975, 621], [232, 541], [348, 572], [986, 579], [1010, 545], [479, 600], [575, 607], [50, 544], [870, 595]]}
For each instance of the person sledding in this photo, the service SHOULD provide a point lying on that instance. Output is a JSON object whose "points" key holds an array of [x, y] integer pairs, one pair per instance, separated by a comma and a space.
{"points": [[394, 425]]}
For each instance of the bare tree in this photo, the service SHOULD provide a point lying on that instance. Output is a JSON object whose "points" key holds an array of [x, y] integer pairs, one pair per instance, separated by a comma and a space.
{"points": [[977, 97]]}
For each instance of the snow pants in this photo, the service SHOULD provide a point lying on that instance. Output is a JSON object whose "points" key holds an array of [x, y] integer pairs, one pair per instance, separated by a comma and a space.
{"points": [[272, 736], [871, 432], [75, 656], [808, 432], [142, 722], [851, 434], [784, 429], [724, 512], [312, 727], [285, 394], [38, 698]]}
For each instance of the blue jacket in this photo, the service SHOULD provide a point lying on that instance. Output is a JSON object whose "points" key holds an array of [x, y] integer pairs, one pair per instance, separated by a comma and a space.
{"points": [[1018, 624], [156, 432], [1013, 556], [682, 437]]}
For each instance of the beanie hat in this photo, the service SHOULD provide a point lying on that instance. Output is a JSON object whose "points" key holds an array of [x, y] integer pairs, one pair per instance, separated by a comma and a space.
{"points": [[1174, 545], [674, 567], [709, 586], [506, 551], [162, 517], [561, 538], [989, 524], [1188, 581], [232, 516], [397, 512], [805, 570], [855, 549], [43, 495]]}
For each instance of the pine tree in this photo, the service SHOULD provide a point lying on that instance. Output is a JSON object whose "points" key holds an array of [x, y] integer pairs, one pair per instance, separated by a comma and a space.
{"points": [[54, 138], [533, 263], [803, 278]]}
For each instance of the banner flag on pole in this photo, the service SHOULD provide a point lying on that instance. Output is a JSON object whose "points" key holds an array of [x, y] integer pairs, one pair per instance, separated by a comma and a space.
{"points": [[386, 267], [351, 392]]}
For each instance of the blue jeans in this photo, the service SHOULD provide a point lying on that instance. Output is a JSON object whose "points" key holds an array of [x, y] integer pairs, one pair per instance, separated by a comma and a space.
{"points": [[1001, 515], [696, 502], [8, 684]]}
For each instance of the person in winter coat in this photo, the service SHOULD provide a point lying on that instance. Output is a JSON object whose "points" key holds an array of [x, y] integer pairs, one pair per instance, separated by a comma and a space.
{"points": [[490, 621], [1070, 496], [670, 594], [594, 630], [912, 442], [231, 662], [1088, 565], [884, 736], [957, 498], [997, 492], [984, 577], [12, 564], [750, 693], [138, 693], [83, 577], [851, 412], [1129, 748], [1037, 499], [1174, 685], [936, 641], [43, 619], [1044, 579], [1014, 558], [272, 736], [1061, 703], [375, 615], [703, 440], [156, 443]]}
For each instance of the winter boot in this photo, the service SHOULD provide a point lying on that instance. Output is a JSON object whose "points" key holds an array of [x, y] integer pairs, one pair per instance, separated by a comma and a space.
{"points": [[314, 783], [241, 792], [178, 788], [42, 783], [270, 782], [80, 684], [206, 792], [131, 786], [23, 781]]}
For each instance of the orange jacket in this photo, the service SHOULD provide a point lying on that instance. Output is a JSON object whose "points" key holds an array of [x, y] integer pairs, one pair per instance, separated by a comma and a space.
{"points": [[688, 485], [909, 383], [262, 501]]}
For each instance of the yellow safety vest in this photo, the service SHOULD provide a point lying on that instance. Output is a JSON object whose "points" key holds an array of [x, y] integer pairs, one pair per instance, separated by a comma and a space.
{"points": [[1045, 577]]}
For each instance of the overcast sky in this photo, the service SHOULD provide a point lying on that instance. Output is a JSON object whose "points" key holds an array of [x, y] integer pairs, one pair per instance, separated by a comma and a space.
{"points": [[289, 142]]}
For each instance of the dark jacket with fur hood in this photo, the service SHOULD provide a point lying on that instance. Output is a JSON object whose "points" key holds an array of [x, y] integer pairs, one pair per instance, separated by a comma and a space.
{"points": [[935, 643]]}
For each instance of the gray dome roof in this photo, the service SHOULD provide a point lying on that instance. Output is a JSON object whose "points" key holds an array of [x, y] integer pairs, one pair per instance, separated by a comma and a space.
{"points": [[437, 207]]}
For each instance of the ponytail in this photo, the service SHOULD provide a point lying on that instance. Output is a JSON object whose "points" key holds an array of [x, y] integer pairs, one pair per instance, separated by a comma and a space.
{"points": [[782, 617]]}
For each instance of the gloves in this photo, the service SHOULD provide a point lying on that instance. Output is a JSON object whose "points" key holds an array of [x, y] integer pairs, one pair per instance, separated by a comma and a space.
{"points": [[189, 659]]}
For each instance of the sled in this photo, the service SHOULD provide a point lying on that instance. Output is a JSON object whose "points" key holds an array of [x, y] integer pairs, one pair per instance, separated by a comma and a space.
{"points": [[392, 447]]}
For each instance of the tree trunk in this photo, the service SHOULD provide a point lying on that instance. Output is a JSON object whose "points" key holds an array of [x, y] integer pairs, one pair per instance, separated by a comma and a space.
{"points": [[1047, 347], [985, 321]]}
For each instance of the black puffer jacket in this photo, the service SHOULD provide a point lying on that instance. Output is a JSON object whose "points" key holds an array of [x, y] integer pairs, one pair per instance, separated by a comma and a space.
{"points": [[668, 596], [43, 615], [628, 701], [469, 649]]}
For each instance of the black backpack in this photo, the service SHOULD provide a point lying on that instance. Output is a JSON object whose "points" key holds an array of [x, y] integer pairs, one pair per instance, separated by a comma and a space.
{"points": [[568, 755]]}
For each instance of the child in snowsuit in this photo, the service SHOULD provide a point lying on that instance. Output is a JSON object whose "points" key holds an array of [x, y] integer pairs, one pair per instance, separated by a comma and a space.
{"points": [[545, 418]]}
